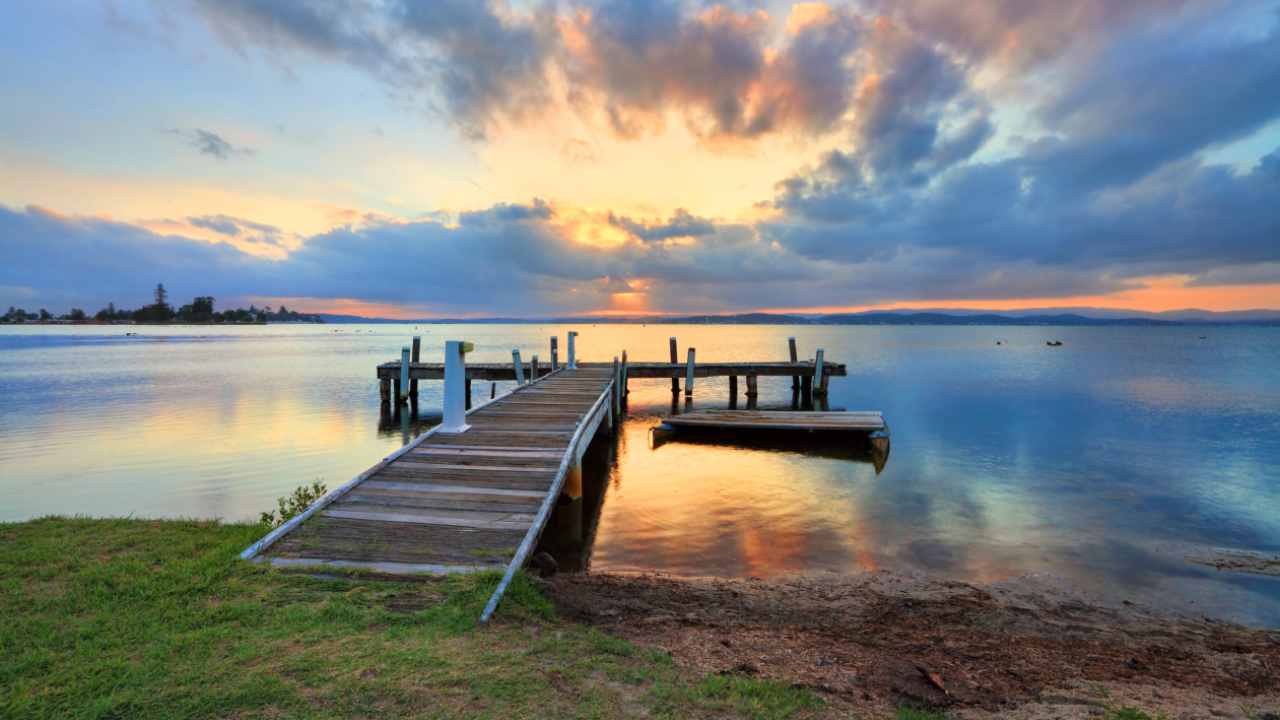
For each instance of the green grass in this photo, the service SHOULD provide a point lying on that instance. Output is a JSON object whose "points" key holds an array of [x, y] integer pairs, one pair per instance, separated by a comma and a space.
{"points": [[1128, 713], [159, 619]]}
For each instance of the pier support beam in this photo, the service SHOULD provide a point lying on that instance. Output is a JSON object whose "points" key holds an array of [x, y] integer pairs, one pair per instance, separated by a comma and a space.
{"points": [[384, 392], [733, 391], [751, 387], [468, 384], [791, 347], [819, 374], [415, 358], [625, 390], [519, 366], [675, 382], [688, 378], [533, 367], [806, 391], [402, 383]]}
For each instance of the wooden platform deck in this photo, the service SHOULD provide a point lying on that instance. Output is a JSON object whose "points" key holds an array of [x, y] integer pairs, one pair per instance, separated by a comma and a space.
{"points": [[863, 421], [460, 502]]}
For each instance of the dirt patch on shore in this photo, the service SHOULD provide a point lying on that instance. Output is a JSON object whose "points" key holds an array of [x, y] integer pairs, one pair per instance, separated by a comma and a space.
{"points": [[883, 639], [1239, 561]]}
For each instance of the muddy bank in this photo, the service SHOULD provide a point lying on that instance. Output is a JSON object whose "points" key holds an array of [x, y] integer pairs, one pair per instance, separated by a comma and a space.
{"points": [[878, 640]]}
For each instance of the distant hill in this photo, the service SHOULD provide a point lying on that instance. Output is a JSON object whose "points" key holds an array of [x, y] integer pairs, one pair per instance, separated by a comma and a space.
{"points": [[1047, 316]]}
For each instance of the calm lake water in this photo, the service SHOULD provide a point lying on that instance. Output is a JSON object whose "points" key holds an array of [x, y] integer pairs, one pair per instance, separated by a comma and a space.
{"points": [[1105, 462]]}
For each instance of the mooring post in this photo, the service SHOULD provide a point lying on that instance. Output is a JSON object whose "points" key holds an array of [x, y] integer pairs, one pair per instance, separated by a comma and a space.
{"points": [[751, 387], [402, 388], [519, 366], [493, 390], [533, 367], [675, 381], [415, 358], [625, 390], [733, 391], [819, 374], [555, 353], [455, 383], [688, 378], [468, 393], [573, 360], [791, 346]]}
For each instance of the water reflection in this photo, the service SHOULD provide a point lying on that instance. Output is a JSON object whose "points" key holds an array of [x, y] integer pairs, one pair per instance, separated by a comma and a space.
{"points": [[1102, 461]]}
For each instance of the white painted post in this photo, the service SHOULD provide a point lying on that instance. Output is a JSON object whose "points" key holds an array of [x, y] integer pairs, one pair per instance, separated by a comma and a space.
{"points": [[818, 366], [688, 377], [515, 360], [573, 359], [404, 373], [455, 387]]}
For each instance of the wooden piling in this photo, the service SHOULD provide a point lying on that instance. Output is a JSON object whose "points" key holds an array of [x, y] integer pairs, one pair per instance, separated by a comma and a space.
{"points": [[555, 353], [402, 383], [751, 387], [806, 391], [688, 378], [617, 391], [625, 390], [518, 366], [415, 357], [493, 390], [384, 391], [819, 374], [533, 367], [468, 391], [733, 391], [791, 346], [675, 382]]}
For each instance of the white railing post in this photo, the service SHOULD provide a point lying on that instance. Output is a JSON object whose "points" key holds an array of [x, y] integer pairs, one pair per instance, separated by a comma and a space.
{"points": [[455, 387], [519, 366], [573, 359]]}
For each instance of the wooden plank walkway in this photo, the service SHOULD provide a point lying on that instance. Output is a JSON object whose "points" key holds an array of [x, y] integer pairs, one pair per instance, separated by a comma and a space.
{"points": [[457, 502]]}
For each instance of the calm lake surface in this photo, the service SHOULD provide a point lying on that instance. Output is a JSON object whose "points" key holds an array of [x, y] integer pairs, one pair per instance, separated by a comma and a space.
{"points": [[1105, 462]]}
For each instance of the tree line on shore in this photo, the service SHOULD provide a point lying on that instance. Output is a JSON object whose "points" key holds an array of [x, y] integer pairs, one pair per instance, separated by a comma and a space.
{"points": [[199, 310]]}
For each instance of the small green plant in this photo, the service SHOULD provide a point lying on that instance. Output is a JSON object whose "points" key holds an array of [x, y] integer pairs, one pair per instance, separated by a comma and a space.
{"points": [[289, 506], [1129, 713]]}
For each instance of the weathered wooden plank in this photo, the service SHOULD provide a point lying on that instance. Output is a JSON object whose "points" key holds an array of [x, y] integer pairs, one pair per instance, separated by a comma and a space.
{"points": [[415, 519], [447, 489]]}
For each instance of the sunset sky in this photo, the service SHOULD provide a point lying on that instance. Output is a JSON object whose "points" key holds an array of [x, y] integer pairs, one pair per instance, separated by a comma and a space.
{"points": [[452, 158]]}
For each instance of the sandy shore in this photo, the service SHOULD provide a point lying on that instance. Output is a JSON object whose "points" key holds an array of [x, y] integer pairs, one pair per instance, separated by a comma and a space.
{"points": [[1024, 648]]}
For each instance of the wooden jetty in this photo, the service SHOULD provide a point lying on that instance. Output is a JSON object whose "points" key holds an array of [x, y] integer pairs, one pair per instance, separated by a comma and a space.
{"points": [[472, 493], [475, 492]]}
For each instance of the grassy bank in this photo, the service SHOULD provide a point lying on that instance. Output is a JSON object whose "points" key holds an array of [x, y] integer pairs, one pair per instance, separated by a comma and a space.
{"points": [[151, 619]]}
